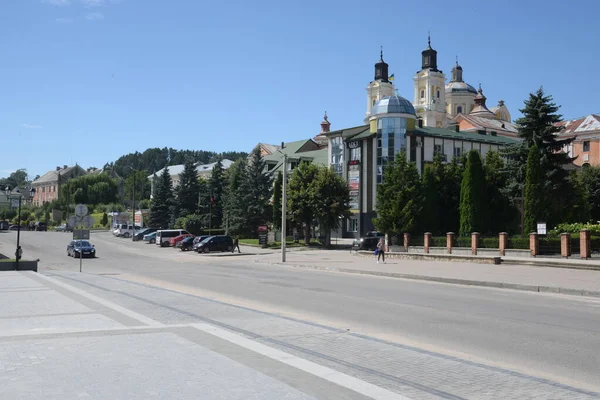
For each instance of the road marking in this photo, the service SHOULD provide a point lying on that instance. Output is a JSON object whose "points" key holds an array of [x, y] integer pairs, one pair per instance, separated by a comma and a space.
{"points": [[331, 375], [96, 299]]}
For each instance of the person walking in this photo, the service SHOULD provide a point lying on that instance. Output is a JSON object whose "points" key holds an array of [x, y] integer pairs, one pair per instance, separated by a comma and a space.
{"points": [[381, 250], [236, 243]]}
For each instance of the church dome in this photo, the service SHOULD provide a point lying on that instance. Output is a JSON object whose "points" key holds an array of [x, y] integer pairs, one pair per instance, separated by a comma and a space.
{"points": [[460, 87], [393, 104]]}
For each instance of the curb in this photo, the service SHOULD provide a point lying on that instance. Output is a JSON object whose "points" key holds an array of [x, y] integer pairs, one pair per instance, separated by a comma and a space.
{"points": [[454, 281], [496, 260], [537, 262]]}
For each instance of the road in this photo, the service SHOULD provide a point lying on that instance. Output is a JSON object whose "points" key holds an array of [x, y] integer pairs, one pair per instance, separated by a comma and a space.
{"points": [[545, 336]]}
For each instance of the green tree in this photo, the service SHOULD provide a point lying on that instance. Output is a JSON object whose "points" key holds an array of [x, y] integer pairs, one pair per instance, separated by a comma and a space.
{"points": [[430, 221], [472, 196], [19, 178], [299, 197], [188, 191], [503, 215], [234, 209], [162, 202], [104, 219], [277, 195], [534, 191], [331, 200], [257, 192], [450, 177], [589, 178], [216, 187], [142, 186], [90, 189], [399, 197]]}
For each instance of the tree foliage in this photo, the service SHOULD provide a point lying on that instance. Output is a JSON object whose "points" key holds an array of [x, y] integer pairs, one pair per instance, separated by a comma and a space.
{"points": [[534, 191], [188, 190], [19, 178], [142, 186], [90, 189], [256, 189], [216, 188], [300, 206], [331, 200], [233, 205], [472, 196], [277, 198], [161, 206]]}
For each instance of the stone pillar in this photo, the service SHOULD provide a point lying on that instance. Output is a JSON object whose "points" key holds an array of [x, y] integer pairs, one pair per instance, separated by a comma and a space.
{"points": [[534, 244], [449, 241], [585, 248], [406, 241], [503, 243], [474, 242], [426, 242], [565, 245]]}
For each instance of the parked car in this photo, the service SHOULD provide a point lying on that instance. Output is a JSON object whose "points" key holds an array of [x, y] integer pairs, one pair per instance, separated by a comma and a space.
{"points": [[150, 238], [163, 236], [16, 228], [41, 226], [187, 243], [369, 242], [140, 235], [4, 225], [173, 241], [60, 228], [81, 248], [216, 243], [197, 241], [127, 231]]}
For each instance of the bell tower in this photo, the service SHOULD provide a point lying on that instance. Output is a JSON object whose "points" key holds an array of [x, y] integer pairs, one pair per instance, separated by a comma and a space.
{"points": [[430, 97], [380, 86]]}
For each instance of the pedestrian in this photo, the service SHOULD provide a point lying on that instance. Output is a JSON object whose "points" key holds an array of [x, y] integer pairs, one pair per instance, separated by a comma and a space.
{"points": [[381, 250], [236, 243]]}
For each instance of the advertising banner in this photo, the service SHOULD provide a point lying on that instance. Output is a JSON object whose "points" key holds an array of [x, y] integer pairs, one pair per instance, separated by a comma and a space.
{"points": [[354, 186]]}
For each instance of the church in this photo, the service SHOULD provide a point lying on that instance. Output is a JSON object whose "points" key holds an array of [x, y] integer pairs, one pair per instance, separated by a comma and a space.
{"points": [[446, 119]]}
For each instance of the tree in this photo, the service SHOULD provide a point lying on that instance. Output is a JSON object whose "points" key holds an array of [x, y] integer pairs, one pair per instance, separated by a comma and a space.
{"points": [[104, 219], [331, 200], [534, 191], [277, 195], [399, 197], [502, 216], [300, 199], [142, 186], [589, 178], [234, 209], [430, 221], [19, 178], [450, 176], [162, 202], [472, 196], [90, 189], [257, 192], [188, 190], [216, 185]]}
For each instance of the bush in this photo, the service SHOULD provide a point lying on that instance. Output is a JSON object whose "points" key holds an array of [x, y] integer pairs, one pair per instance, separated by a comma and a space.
{"points": [[576, 228]]}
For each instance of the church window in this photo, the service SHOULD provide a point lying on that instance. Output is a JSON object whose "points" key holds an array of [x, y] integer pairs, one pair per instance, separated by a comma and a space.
{"points": [[374, 101], [458, 109], [586, 145], [438, 94], [422, 93]]}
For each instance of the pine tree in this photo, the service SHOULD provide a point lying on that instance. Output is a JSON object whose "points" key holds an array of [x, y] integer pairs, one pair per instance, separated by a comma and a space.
{"points": [[472, 196], [300, 199], [331, 200], [450, 177], [104, 220], [188, 190], [216, 186], [162, 202], [277, 195], [430, 221], [234, 212], [534, 191], [399, 197], [257, 191], [502, 216]]}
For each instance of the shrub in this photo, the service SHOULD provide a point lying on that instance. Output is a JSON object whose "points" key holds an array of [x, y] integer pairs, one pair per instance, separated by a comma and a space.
{"points": [[576, 228]]}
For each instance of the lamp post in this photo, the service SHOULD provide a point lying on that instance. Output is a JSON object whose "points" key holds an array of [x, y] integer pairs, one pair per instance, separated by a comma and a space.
{"points": [[19, 251], [133, 205], [283, 205]]}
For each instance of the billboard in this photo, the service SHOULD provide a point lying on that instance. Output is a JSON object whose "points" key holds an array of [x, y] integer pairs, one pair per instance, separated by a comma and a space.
{"points": [[354, 186]]}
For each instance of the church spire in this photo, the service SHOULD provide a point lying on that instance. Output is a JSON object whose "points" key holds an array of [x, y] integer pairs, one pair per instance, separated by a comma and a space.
{"points": [[381, 68], [457, 72], [429, 56]]}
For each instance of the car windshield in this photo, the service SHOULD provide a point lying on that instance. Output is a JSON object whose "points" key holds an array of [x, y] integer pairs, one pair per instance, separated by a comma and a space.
{"points": [[206, 239], [83, 243]]}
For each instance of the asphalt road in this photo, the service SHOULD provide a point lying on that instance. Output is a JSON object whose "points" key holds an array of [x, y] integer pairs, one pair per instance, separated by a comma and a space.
{"points": [[549, 336]]}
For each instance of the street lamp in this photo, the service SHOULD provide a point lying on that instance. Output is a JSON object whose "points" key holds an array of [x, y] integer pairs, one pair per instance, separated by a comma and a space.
{"points": [[133, 205], [19, 251], [283, 204]]}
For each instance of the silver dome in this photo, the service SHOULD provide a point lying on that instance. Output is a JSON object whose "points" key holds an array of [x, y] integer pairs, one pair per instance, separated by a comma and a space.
{"points": [[393, 104], [457, 87]]}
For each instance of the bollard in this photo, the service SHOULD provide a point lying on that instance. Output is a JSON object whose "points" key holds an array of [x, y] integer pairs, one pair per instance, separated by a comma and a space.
{"points": [[426, 242], [585, 250], [406, 241], [503, 243], [565, 245], [449, 241], [534, 244], [474, 242]]}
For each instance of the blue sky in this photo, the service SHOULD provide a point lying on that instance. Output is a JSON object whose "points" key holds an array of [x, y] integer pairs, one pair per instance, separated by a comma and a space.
{"points": [[87, 81]]}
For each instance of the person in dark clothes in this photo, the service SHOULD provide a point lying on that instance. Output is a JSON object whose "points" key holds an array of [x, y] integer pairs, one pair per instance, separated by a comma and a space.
{"points": [[381, 250], [236, 243]]}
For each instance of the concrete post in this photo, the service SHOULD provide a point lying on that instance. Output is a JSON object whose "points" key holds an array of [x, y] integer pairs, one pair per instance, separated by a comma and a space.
{"points": [[565, 245], [585, 249], [503, 243], [406, 241], [534, 244], [474, 242], [449, 241], [426, 242]]}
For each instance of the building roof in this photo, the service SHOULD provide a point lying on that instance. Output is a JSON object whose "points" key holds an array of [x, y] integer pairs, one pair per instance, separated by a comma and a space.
{"points": [[583, 125], [208, 167], [393, 104], [292, 149], [460, 87], [269, 148], [480, 123], [319, 157], [52, 176], [349, 132], [175, 170], [464, 136]]}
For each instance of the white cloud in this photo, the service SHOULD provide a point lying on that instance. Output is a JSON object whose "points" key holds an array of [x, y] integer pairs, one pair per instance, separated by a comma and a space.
{"points": [[58, 2], [93, 3], [95, 16], [31, 126], [64, 20]]}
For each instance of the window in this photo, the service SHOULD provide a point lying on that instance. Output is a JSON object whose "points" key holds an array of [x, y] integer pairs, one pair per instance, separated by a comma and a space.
{"points": [[391, 139], [43, 189], [337, 154], [355, 154], [459, 110], [438, 94], [437, 149], [352, 225], [586, 145], [422, 93], [457, 152]]}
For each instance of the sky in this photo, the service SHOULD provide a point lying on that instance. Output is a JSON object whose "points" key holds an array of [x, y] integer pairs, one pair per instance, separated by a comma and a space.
{"points": [[86, 81]]}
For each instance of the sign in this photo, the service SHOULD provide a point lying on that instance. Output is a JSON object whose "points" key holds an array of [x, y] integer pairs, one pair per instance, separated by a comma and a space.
{"points": [[263, 235], [72, 221], [81, 210], [541, 228], [353, 162], [81, 234], [354, 186], [354, 144], [57, 215], [88, 221]]}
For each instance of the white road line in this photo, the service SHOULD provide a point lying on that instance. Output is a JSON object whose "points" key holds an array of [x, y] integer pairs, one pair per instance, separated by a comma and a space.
{"points": [[339, 378], [40, 332], [122, 310]]}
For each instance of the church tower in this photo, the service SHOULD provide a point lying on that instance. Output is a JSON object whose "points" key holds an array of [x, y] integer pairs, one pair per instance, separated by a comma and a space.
{"points": [[460, 96], [379, 87], [430, 95]]}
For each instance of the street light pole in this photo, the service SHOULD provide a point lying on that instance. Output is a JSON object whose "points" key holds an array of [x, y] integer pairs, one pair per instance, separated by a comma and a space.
{"points": [[18, 253], [284, 208], [133, 200]]}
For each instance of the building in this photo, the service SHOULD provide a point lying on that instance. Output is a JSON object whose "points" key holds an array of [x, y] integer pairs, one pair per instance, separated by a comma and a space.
{"points": [[299, 151], [359, 154], [47, 187], [586, 146], [203, 171]]}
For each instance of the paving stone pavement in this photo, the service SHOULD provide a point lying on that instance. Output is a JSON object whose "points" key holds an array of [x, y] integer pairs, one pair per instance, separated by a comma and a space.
{"points": [[399, 369]]}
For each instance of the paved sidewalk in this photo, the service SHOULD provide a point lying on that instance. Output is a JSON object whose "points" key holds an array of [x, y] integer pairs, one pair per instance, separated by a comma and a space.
{"points": [[509, 276]]}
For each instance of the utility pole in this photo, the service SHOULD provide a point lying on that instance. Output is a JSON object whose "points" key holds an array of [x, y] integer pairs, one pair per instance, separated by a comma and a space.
{"points": [[284, 208], [133, 207]]}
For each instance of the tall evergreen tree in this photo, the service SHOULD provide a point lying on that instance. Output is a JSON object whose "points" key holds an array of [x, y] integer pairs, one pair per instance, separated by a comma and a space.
{"points": [[534, 191], [188, 190], [299, 197], [472, 196], [430, 221], [257, 191], [277, 195], [502, 215], [450, 176], [216, 186], [234, 212], [589, 178], [399, 197], [331, 200], [162, 202]]}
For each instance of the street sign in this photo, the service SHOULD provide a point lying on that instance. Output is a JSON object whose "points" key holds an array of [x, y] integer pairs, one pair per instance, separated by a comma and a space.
{"points": [[15, 203], [541, 228], [81, 234], [88, 221], [81, 210], [72, 221]]}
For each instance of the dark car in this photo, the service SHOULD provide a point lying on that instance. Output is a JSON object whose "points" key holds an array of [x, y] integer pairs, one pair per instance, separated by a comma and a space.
{"points": [[198, 240], [81, 248], [41, 226], [216, 243], [140, 235], [369, 242], [186, 244], [4, 225]]}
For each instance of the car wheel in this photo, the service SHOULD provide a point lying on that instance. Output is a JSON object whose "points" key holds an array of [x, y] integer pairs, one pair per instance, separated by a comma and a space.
{"points": [[152, 241], [126, 235], [206, 250]]}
